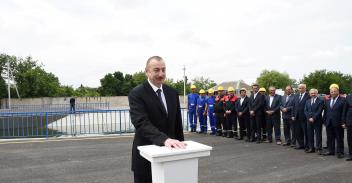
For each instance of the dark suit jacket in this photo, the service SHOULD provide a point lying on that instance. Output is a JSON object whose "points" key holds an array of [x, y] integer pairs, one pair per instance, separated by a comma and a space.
{"points": [[257, 104], [347, 112], [334, 116], [153, 125], [275, 106], [288, 105], [314, 111], [298, 107], [244, 108]]}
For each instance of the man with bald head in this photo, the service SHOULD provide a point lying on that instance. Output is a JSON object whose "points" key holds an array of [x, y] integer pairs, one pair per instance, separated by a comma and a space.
{"points": [[156, 116], [334, 122]]}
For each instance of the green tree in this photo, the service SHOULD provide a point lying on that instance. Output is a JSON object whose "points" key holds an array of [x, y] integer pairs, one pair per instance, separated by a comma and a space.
{"points": [[202, 83], [127, 85], [274, 78], [108, 85], [322, 79], [139, 78], [84, 91], [66, 91], [33, 81]]}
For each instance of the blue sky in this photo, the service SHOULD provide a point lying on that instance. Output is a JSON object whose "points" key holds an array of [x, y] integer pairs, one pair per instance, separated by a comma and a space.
{"points": [[82, 40]]}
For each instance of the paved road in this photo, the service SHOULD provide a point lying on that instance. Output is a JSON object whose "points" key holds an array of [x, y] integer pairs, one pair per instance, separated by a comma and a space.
{"points": [[107, 159]]}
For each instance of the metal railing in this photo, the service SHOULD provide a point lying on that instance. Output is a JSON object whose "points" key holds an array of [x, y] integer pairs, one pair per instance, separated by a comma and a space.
{"points": [[59, 123], [55, 107]]}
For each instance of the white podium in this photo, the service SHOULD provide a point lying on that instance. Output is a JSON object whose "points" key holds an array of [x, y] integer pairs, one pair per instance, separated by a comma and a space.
{"points": [[175, 165]]}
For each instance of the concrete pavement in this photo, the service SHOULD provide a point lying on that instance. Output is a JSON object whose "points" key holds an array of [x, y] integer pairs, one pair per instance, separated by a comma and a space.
{"points": [[107, 159]]}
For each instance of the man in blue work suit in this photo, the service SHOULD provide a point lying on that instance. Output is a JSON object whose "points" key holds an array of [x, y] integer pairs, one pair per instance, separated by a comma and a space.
{"points": [[210, 109], [192, 108], [202, 111]]}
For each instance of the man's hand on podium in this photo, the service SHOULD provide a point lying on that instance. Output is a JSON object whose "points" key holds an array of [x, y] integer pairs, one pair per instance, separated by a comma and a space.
{"points": [[172, 143]]}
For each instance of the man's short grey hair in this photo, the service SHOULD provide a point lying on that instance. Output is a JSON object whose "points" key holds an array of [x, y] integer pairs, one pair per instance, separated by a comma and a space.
{"points": [[303, 85], [313, 90], [272, 88], [157, 58]]}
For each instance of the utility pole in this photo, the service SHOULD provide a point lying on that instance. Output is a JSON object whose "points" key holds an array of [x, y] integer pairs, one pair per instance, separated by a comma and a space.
{"points": [[8, 83], [184, 85]]}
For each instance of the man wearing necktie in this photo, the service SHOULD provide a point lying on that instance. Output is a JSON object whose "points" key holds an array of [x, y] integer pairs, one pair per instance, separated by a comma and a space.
{"points": [[256, 108], [156, 115], [333, 120], [286, 109], [243, 115], [313, 111], [273, 115], [348, 124], [300, 120]]}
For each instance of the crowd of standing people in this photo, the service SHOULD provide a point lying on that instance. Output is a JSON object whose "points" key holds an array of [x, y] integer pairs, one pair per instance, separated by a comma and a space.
{"points": [[257, 118]]}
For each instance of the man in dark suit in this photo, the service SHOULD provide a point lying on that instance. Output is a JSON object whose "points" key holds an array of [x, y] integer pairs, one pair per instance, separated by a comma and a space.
{"points": [[347, 114], [243, 115], [333, 119], [313, 111], [286, 109], [256, 107], [300, 120], [156, 116], [273, 115]]}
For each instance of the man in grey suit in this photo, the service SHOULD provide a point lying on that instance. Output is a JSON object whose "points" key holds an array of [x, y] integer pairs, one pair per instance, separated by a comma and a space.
{"points": [[313, 111], [273, 115], [286, 109]]}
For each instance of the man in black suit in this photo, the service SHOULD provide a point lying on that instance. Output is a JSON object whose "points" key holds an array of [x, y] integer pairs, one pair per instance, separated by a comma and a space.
{"points": [[156, 116], [273, 115], [333, 119], [313, 111], [286, 109], [347, 114], [243, 115], [256, 108], [300, 120]]}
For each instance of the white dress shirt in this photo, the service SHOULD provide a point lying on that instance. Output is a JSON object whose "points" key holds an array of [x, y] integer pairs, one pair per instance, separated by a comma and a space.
{"points": [[155, 88], [271, 100], [242, 99]]}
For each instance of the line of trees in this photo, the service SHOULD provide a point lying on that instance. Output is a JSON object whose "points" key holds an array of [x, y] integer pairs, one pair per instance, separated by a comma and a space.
{"points": [[320, 79], [33, 81]]}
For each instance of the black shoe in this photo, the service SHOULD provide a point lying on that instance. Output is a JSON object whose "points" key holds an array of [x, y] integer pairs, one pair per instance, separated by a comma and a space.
{"points": [[349, 159], [328, 154], [286, 144], [319, 152], [240, 138], [258, 141], [310, 151], [298, 148], [340, 156], [293, 145]]}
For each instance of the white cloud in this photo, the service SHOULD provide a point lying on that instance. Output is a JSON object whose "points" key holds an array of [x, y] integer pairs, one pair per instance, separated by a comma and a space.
{"points": [[81, 41]]}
